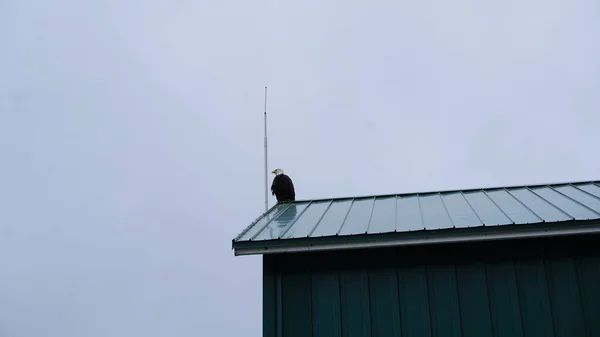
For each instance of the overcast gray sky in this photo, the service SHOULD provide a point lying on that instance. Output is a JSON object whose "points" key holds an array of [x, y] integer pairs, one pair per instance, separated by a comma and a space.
{"points": [[131, 136]]}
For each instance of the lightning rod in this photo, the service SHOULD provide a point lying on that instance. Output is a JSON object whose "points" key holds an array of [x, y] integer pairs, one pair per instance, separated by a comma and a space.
{"points": [[266, 167]]}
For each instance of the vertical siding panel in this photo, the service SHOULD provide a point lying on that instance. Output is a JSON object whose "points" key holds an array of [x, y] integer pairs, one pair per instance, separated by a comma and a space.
{"points": [[474, 302], [326, 305], [270, 309], [445, 310], [355, 310], [296, 299], [279, 304], [504, 300], [414, 302], [565, 298], [535, 302], [588, 271], [385, 310]]}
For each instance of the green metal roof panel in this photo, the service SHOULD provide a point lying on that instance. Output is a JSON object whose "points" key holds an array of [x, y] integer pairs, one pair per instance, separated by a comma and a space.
{"points": [[427, 211], [383, 217]]}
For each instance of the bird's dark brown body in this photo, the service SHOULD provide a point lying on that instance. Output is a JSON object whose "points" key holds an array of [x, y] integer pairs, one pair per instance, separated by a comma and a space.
{"points": [[283, 188]]}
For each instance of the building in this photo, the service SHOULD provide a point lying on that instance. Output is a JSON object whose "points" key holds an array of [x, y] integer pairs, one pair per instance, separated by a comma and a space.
{"points": [[519, 261]]}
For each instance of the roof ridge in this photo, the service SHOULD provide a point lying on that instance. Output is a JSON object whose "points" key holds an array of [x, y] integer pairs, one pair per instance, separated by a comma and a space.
{"points": [[450, 190]]}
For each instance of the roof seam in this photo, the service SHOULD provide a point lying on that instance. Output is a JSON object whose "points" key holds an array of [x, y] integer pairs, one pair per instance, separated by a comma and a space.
{"points": [[371, 215], [446, 208], [345, 217], [551, 204], [523, 204], [396, 213], [575, 201], [293, 222], [270, 220], [586, 192], [499, 208], [421, 211], [473, 209], [321, 218], [242, 233]]}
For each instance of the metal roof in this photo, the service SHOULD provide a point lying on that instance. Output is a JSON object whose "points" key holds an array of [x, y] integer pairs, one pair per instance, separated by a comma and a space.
{"points": [[422, 212]]}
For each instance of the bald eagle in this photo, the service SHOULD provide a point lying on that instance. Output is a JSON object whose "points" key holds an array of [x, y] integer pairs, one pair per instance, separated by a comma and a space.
{"points": [[282, 187]]}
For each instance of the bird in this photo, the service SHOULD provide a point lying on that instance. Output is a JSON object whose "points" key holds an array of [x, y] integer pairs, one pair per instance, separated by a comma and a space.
{"points": [[282, 187]]}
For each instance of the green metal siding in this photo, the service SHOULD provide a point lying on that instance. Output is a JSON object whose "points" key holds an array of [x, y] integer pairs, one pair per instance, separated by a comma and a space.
{"points": [[385, 305], [527, 288], [269, 294], [504, 305], [414, 302], [294, 290], [354, 286]]}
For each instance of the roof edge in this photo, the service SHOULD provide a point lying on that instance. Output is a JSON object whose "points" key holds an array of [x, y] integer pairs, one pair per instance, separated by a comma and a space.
{"points": [[538, 231], [253, 223]]}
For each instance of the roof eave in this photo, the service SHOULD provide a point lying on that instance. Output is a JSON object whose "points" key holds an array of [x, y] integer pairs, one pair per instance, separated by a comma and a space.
{"points": [[506, 233]]}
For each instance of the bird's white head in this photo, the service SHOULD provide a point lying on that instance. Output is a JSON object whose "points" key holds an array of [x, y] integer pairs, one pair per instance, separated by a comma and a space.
{"points": [[277, 171]]}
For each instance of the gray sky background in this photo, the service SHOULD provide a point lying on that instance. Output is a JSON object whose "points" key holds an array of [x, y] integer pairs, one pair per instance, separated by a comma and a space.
{"points": [[131, 136]]}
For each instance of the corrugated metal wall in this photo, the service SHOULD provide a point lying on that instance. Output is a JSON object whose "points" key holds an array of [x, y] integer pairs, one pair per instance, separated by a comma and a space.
{"points": [[536, 288]]}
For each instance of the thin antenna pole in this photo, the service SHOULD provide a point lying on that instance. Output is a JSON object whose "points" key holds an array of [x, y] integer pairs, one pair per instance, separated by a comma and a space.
{"points": [[266, 167]]}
